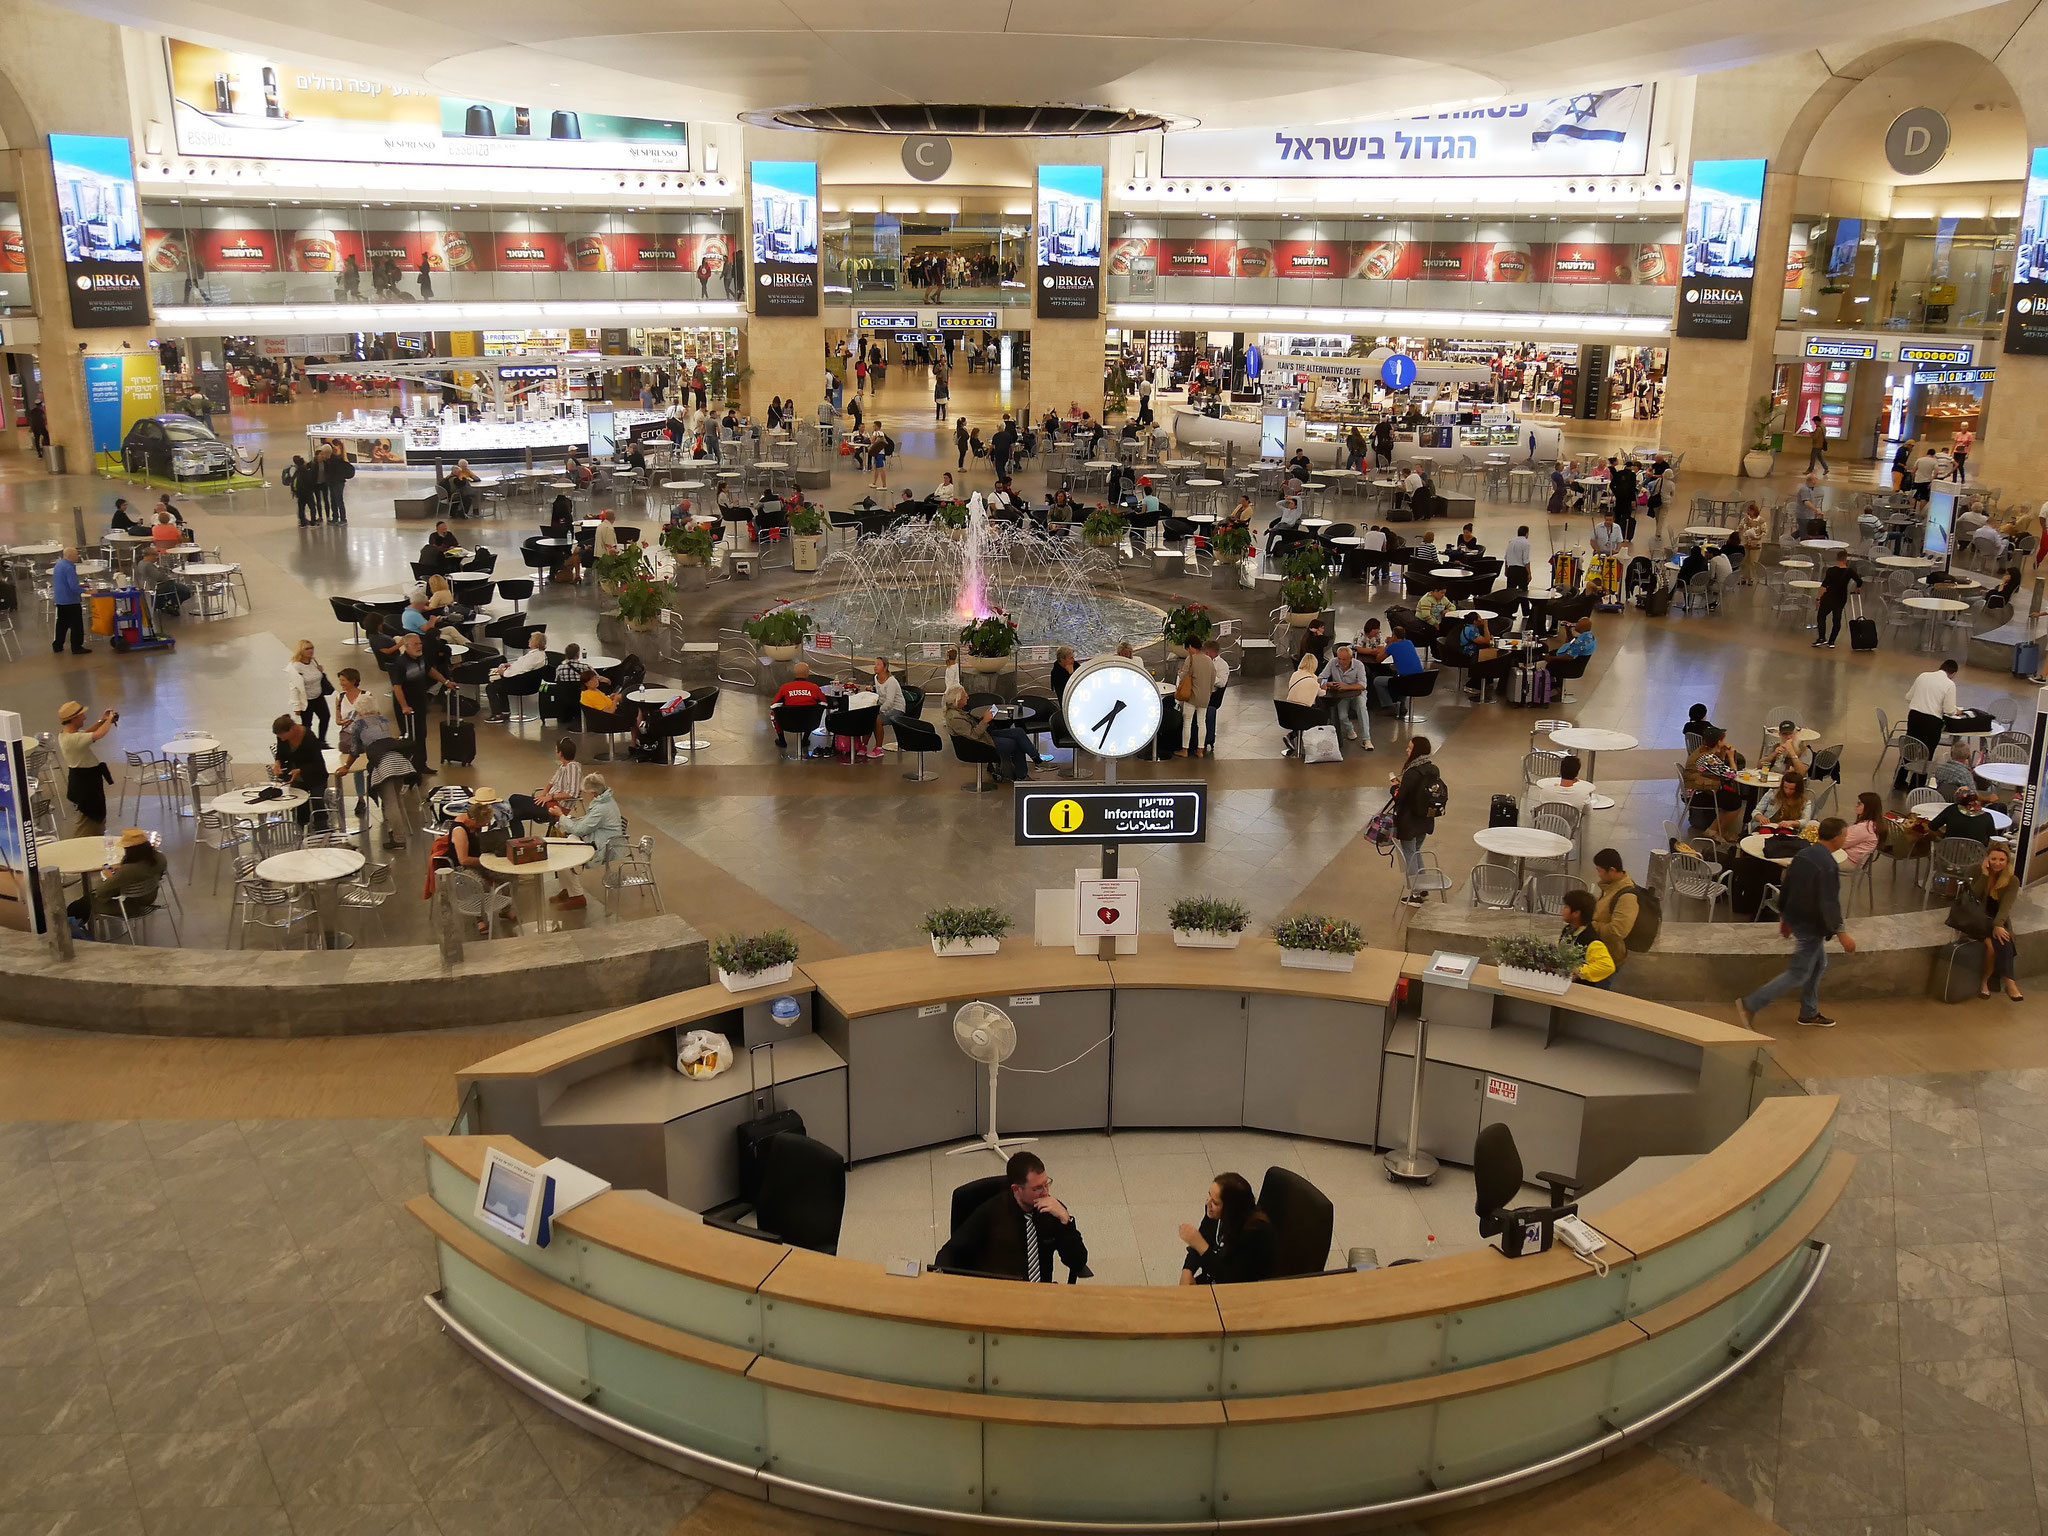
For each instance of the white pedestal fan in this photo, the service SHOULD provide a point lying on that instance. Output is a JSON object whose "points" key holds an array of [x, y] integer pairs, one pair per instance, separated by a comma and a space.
{"points": [[987, 1035]]}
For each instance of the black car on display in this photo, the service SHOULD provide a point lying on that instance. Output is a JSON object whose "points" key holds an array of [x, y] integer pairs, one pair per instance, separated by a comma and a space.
{"points": [[175, 447]]}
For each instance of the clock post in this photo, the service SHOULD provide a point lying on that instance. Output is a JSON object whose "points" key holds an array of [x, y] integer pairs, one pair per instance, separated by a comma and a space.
{"points": [[1105, 947]]}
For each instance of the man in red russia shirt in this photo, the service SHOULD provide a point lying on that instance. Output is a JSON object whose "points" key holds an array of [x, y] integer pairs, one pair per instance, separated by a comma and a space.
{"points": [[798, 693]]}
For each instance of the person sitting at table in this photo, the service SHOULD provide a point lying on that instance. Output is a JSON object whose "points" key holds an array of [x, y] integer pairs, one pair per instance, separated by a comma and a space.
{"points": [[142, 868], [165, 507], [1299, 467], [1477, 636], [1012, 744], [1234, 1241], [600, 824], [1417, 494], [1467, 543], [532, 659], [1402, 656], [164, 533], [1694, 564], [1597, 969], [1787, 804], [1580, 642], [575, 469], [419, 617], [167, 593], [1966, 818], [460, 489], [597, 692], [1062, 670], [798, 693], [1239, 516], [301, 763], [1569, 788], [1720, 573], [443, 540], [1018, 1232], [123, 521], [1435, 603], [1955, 773], [888, 694], [1784, 750], [1709, 780], [1061, 508], [1696, 724], [1315, 640], [1286, 521], [1866, 831]]}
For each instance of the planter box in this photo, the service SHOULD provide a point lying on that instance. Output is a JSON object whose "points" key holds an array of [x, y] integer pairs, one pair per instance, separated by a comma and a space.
{"points": [[1302, 620], [781, 652], [746, 981], [961, 948], [1202, 938], [1758, 465], [1535, 981], [1316, 960], [985, 664], [805, 554]]}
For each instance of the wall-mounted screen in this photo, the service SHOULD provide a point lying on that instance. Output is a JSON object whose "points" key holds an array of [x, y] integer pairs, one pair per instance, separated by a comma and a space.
{"points": [[102, 228], [1273, 435], [1717, 262], [1069, 242], [1941, 522], [785, 225], [2026, 317]]}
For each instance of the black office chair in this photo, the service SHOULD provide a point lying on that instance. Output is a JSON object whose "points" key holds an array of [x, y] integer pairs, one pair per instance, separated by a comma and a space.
{"points": [[525, 686], [985, 700], [1410, 686], [913, 700], [1568, 669], [802, 1198], [1497, 1179], [799, 720], [516, 590], [856, 725], [977, 754], [915, 738], [1303, 1221], [611, 726], [973, 1195], [1296, 718], [702, 706]]}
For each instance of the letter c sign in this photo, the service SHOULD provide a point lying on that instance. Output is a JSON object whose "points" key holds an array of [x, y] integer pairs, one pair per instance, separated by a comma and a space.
{"points": [[927, 157]]}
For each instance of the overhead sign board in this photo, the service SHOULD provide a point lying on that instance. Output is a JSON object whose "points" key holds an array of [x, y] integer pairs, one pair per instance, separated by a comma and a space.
{"points": [[1960, 355], [1842, 351], [2026, 318], [885, 320], [1955, 375], [968, 320], [1112, 813]]}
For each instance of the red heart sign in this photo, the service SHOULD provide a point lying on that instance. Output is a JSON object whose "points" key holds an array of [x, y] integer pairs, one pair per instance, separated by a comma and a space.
{"points": [[1107, 914]]}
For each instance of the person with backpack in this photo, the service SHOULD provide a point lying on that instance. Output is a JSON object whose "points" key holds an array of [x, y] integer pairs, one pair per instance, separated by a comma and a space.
{"points": [[880, 446], [1420, 796], [1597, 969], [1626, 916], [339, 473]]}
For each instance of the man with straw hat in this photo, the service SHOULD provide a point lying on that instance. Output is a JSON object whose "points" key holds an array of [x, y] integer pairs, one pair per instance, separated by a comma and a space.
{"points": [[86, 777], [138, 874]]}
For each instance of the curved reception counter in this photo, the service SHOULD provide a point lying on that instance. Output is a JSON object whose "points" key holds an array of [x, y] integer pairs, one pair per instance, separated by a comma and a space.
{"points": [[1335, 1401]]}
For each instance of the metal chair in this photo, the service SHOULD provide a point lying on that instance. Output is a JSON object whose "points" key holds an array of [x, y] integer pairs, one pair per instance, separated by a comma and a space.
{"points": [[147, 770], [1539, 765], [1546, 893], [2003, 751], [1953, 859], [264, 905], [1925, 799], [133, 909], [371, 887], [1493, 885], [633, 870], [474, 899], [1914, 757], [1430, 877], [1695, 878]]}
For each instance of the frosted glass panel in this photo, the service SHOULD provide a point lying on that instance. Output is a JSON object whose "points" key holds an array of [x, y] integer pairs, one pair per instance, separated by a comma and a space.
{"points": [[908, 1457], [1101, 1475], [1778, 1200], [540, 1339], [1657, 1277], [1477, 1437], [1282, 1469], [696, 1306], [1672, 1363], [875, 1347], [1536, 1321], [1023, 1365], [703, 1409], [1317, 1362]]}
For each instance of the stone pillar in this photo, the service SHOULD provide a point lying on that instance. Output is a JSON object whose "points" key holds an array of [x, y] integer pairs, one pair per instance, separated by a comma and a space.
{"points": [[785, 356], [1866, 405], [1066, 366], [1712, 384], [2012, 435]]}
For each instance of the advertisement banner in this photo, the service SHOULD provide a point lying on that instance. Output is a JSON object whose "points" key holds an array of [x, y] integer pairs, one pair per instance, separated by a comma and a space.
{"points": [[13, 252], [784, 213], [1505, 260], [1595, 133], [120, 391], [1717, 267], [102, 222], [275, 107], [2026, 323], [21, 896], [1069, 242]]}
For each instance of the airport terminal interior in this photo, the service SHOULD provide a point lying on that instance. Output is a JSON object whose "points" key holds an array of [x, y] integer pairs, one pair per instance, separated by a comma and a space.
{"points": [[683, 698]]}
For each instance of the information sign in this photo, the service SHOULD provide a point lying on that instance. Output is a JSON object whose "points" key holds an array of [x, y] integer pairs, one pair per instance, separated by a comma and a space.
{"points": [[1112, 813]]}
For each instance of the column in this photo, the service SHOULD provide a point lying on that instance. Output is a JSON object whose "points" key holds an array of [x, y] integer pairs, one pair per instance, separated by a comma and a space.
{"points": [[784, 355], [2012, 435], [1066, 366], [1713, 385]]}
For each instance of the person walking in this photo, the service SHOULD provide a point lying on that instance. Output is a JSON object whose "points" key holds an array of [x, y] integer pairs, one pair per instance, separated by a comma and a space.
{"points": [[1818, 453], [1193, 690], [1959, 451], [426, 276], [880, 446], [68, 598], [1752, 533], [310, 687], [1834, 597], [941, 393], [960, 442], [1220, 678], [337, 474], [1810, 913], [1418, 801], [38, 427]]}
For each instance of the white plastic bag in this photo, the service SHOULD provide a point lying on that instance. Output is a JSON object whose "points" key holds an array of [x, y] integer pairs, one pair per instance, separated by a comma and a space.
{"points": [[1319, 745], [702, 1053]]}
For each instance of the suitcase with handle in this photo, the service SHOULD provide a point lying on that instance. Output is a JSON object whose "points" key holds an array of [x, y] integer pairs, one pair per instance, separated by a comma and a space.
{"points": [[1862, 631], [1503, 811], [767, 1121], [458, 742], [1958, 971]]}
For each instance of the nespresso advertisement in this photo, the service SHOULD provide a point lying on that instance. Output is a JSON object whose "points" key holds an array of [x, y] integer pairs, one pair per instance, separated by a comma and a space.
{"points": [[102, 222], [278, 108], [1718, 265], [1069, 242], [785, 225], [1506, 259], [2026, 323]]}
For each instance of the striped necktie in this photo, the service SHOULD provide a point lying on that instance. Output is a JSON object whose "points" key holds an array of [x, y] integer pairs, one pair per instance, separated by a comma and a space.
{"points": [[1033, 1256]]}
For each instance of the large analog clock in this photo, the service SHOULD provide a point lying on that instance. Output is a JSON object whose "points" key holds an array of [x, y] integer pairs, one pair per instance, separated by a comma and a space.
{"points": [[1112, 707]]}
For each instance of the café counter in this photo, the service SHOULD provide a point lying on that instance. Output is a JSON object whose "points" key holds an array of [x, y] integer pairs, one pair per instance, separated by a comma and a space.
{"points": [[1332, 1401]]}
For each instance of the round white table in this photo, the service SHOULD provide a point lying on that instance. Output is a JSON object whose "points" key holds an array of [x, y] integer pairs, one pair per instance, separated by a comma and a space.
{"points": [[599, 663], [237, 802], [1753, 845], [1796, 565], [1176, 464], [1522, 843], [1445, 571], [654, 695], [1827, 545], [1589, 741], [1934, 608], [37, 551], [86, 857], [1905, 562], [1347, 540], [205, 569], [1706, 533], [320, 870], [562, 854], [1594, 801], [187, 747], [562, 485], [1202, 517], [1203, 484], [2011, 775]]}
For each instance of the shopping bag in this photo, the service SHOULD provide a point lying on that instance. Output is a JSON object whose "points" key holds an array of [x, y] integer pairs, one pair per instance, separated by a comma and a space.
{"points": [[1319, 745]]}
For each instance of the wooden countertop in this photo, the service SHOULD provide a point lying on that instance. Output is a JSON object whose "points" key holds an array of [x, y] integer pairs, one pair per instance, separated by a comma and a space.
{"points": [[654, 1092], [1254, 966], [1570, 1066], [1658, 1018], [910, 978], [567, 1046]]}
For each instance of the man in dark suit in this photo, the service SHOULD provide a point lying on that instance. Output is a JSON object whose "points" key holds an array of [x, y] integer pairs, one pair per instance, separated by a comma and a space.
{"points": [[1017, 1232]]}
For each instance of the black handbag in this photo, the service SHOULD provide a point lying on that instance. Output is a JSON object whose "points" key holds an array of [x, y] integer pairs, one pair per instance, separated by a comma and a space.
{"points": [[1969, 916]]}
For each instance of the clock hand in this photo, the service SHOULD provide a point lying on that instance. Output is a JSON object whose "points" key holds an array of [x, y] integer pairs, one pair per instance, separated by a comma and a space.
{"points": [[1101, 727]]}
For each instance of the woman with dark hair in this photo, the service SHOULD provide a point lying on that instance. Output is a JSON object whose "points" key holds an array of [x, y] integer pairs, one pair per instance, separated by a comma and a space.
{"points": [[1866, 831], [1234, 1242]]}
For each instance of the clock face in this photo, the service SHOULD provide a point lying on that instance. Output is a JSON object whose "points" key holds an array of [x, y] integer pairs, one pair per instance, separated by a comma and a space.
{"points": [[1112, 707]]}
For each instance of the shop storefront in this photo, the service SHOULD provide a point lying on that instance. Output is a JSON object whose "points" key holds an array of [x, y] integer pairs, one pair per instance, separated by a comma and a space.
{"points": [[1872, 392]]}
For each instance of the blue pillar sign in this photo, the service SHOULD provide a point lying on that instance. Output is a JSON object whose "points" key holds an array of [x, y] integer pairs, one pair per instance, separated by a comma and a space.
{"points": [[1398, 371]]}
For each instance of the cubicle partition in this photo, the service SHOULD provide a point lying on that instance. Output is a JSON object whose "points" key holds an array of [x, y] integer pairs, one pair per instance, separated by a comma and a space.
{"points": [[1333, 1401]]}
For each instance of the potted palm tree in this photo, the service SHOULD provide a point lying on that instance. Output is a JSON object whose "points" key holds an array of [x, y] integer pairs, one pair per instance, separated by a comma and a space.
{"points": [[1311, 941], [779, 632], [987, 644], [1760, 458], [807, 535], [748, 960], [958, 931], [1207, 922], [1537, 964]]}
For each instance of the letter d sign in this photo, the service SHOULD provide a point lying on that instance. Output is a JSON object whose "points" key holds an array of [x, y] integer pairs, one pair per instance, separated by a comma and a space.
{"points": [[1916, 141]]}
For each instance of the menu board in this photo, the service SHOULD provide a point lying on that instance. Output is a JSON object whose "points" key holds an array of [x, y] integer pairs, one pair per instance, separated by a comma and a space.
{"points": [[1069, 242], [784, 212], [2026, 317], [102, 230], [1717, 266]]}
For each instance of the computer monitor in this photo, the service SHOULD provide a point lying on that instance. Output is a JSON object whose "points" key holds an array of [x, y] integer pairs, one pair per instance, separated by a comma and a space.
{"points": [[1941, 525], [509, 1196]]}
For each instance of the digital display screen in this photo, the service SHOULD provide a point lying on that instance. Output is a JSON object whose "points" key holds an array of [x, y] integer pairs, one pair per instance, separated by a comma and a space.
{"points": [[102, 230], [602, 433], [1717, 262], [1273, 435], [2026, 320], [1941, 522], [1842, 254], [507, 1198], [785, 235], [1069, 242], [21, 898]]}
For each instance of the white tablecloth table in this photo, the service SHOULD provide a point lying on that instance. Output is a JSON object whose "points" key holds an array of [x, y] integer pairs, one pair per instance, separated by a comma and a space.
{"points": [[1522, 843], [563, 854], [320, 871]]}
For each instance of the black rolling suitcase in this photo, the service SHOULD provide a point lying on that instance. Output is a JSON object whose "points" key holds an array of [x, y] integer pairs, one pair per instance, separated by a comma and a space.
{"points": [[768, 1121], [1504, 812], [458, 736], [1862, 631], [1958, 971]]}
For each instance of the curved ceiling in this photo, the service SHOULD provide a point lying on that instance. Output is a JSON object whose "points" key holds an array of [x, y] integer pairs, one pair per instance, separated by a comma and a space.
{"points": [[1987, 127], [1217, 63]]}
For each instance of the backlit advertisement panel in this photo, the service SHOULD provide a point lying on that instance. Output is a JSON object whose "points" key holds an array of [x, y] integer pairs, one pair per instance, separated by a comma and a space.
{"points": [[275, 107], [21, 896], [784, 213], [1069, 242], [1717, 264], [102, 224], [1506, 260], [2026, 317]]}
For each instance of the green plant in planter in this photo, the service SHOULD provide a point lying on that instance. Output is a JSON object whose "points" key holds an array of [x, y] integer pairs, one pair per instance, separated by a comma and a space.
{"points": [[1304, 594], [1234, 542], [778, 626], [641, 599], [1207, 914], [806, 521], [1105, 526], [744, 953], [620, 565], [687, 543], [949, 923], [950, 514], [1314, 930], [991, 637], [1760, 416], [1533, 952], [1189, 624]]}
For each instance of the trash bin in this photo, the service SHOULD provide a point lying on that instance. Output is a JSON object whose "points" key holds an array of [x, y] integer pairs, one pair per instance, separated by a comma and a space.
{"points": [[53, 455]]}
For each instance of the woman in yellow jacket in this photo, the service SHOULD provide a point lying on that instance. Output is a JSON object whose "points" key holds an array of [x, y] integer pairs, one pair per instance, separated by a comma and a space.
{"points": [[1597, 969]]}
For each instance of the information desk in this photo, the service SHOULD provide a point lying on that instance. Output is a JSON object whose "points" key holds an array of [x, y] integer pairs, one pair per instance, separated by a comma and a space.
{"points": [[1337, 1401]]}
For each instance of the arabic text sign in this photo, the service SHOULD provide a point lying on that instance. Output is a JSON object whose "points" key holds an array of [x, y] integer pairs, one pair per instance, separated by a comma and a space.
{"points": [[1113, 813]]}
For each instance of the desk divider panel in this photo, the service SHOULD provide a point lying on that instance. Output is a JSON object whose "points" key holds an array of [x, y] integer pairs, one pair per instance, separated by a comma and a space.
{"points": [[1039, 1472], [712, 1311], [542, 1341], [1517, 1326], [1263, 1365], [1493, 1432], [1144, 1370], [911, 1458], [680, 1400], [1178, 1057], [884, 1349], [1334, 1463], [1667, 1365]]}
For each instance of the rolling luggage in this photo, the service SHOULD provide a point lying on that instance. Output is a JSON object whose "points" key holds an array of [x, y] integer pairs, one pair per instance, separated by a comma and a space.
{"points": [[1657, 602], [2026, 660], [767, 1121], [1958, 971], [1503, 812], [458, 742], [1862, 631]]}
